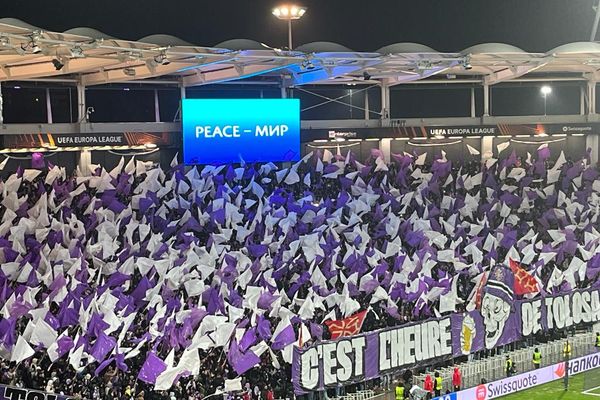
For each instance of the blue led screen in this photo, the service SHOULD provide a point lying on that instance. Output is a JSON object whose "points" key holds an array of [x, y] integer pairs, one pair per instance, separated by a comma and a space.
{"points": [[221, 131]]}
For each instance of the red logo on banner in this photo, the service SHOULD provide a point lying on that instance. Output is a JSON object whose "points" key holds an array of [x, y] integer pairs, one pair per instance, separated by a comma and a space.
{"points": [[347, 326], [480, 392], [560, 370]]}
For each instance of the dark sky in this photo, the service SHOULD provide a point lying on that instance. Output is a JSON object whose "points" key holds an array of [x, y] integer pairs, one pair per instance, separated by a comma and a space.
{"points": [[445, 25]]}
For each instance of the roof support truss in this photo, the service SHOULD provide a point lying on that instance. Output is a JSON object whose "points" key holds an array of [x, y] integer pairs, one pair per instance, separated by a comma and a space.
{"points": [[515, 71]]}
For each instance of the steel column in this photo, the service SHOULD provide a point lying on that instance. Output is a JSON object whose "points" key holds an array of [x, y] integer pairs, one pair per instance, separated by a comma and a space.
{"points": [[156, 106], [85, 160], [367, 109], [48, 106], [486, 147], [81, 106], [290, 44], [581, 101], [486, 100], [591, 89], [385, 145], [1, 106], [385, 100]]}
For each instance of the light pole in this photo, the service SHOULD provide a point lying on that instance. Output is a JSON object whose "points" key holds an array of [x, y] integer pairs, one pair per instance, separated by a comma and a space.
{"points": [[289, 13], [545, 90]]}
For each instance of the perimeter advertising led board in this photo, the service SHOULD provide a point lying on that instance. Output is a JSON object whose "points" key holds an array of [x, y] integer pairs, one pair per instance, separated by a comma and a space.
{"points": [[526, 380], [220, 131]]}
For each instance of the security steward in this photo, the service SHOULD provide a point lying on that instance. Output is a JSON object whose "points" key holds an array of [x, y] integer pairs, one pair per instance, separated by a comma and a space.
{"points": [[438, 385], [567, 350], [537, 358], [598, 340], [567, 353], [509, 366], [400, 392]]}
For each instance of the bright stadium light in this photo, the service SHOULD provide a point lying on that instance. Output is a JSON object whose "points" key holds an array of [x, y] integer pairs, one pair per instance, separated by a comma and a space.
{"points": [[545, 90], [58, 65], [289, 13]]}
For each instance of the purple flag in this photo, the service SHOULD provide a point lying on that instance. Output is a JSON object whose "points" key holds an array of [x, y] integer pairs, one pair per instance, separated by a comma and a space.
{"points": [[103, 365], [152, 368], [284, 338], [263, 327], [65, 344], [239, 361], [248, 340], [104, 344]]}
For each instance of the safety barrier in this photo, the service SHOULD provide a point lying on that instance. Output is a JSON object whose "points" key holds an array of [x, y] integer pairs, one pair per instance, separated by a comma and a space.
{"points": [[362, 395], [527, 380], [493, 368]]}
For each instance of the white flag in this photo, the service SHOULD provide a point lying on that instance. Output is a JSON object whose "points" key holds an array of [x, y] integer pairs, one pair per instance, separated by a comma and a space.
{"points": [[22, 351]]}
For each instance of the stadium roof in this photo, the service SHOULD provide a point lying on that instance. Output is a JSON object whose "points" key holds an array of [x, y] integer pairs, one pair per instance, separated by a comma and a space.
{"points": [[92, 58]]}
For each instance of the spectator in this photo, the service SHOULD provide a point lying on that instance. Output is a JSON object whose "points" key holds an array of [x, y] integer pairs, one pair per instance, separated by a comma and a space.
{"points": [[428, 386], [456, 379]]}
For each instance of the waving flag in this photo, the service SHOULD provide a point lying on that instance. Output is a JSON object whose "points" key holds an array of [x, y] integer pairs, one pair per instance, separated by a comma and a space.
{"points": [[347, 326], [152, 368], [476, 294], [525, 283]]}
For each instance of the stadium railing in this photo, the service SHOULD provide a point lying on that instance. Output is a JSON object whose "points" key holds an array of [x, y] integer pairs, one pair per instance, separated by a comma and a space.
{"points": [[493, 367]]}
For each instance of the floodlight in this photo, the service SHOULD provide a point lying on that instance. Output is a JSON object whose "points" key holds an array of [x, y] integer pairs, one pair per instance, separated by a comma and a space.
{"points": [[58, 65]]}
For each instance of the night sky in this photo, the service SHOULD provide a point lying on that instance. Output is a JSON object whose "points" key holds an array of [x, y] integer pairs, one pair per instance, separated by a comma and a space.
{"points": [[445, 25]]}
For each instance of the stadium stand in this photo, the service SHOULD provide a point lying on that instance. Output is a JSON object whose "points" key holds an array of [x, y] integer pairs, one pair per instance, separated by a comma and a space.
{"points": [[181, 281]]}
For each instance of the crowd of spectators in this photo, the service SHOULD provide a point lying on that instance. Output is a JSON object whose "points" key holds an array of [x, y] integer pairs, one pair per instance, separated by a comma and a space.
{"points": [[337, 214]]}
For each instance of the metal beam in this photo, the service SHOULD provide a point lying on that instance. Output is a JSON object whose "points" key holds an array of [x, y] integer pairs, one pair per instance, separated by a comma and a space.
{"points": [[46, 69], [100, 127], [424, 74], [445, 121], [332, 99], [230, 72], [175, 127], [125, 72], [322, 68], [514, 72]]}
